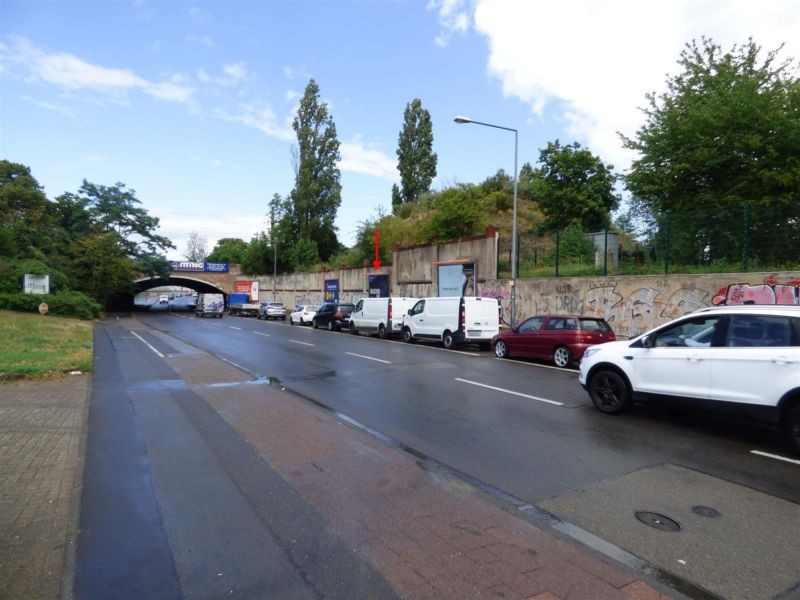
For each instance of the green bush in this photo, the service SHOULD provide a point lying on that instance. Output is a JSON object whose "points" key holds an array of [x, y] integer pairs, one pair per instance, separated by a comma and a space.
{"points": [[64, 304], [12, 273]]}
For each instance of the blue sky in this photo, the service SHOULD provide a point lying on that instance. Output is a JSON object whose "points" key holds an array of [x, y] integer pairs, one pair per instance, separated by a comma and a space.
{"points": [[190, 103]]}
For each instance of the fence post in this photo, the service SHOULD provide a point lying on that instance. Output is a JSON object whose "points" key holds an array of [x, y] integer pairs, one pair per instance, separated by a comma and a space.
{"points": [[666, 247], [517, 254], [605, 254], [746, 235], [558, 244]]}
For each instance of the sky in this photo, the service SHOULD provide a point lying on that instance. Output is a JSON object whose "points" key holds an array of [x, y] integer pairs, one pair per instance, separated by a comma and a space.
{"points": [[190, 103]]}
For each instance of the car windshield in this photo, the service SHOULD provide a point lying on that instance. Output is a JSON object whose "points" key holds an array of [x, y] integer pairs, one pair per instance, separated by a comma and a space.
{"points": [[597, 325]]}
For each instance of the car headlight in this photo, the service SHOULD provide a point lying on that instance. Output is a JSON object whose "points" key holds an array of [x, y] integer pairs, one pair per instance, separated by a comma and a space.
{"points": [[591, 350]]}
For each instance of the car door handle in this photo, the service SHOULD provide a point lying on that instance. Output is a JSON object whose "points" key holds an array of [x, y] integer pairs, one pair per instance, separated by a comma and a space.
{"points": [[782, 360], [694, 358], [628, 357], [422, 320]]}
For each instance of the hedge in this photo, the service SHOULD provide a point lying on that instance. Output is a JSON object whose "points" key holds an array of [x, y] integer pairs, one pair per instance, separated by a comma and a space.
{"points": [[63, 304]]}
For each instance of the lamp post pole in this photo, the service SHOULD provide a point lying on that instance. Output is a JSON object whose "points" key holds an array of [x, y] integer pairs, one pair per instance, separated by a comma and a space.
{"points": [[274, 253], [461, 121]]}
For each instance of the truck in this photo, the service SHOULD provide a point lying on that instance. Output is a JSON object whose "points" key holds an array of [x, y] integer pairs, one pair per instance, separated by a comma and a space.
{"points": [[240, 305], [209, 305]]}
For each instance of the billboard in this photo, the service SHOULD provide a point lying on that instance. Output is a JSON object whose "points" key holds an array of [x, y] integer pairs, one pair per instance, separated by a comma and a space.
{"points": [[378, 286], [331, 290], [458, 279], [248, 287], [198, 267]]}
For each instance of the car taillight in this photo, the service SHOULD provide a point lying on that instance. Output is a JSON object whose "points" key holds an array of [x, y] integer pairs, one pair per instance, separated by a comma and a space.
{"points": [[338, 315], [390, 311], [463, 318]]}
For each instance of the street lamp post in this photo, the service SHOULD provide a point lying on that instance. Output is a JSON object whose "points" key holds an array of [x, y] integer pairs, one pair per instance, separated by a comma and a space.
{"points": [[462, 120]]}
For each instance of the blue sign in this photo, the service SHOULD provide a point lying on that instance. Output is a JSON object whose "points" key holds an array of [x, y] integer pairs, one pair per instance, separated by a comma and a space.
{"points": [[378, 286], [198, 267], [331, 290]]}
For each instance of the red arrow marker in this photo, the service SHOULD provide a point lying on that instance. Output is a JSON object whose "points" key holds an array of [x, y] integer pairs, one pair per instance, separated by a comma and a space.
{"points": [[377, 262]]}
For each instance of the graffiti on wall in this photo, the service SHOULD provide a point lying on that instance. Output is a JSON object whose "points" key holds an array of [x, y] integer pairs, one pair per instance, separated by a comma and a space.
{"points": [[765, 293], [503, 297]]}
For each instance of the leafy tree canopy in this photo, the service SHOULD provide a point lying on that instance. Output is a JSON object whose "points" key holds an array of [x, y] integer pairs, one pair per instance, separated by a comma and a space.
{"points": [[228, 250], [416, 158]]}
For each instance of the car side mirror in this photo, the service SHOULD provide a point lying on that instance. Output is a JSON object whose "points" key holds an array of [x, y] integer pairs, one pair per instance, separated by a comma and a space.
{"points": [[409, 312], [647, 342]]}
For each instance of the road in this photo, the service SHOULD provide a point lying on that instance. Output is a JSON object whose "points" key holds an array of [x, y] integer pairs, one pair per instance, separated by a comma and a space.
{"points": [[528, 431]]}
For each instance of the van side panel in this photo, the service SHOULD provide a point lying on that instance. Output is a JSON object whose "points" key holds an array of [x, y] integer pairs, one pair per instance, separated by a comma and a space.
{"points": [[482, 319]]}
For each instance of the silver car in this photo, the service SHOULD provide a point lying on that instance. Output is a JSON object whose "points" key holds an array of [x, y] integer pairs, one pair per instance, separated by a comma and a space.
{"points": [[272, 310]]}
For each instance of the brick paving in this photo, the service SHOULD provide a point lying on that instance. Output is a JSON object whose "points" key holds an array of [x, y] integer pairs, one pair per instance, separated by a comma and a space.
{"points": [[432, 536], [42, 426]]}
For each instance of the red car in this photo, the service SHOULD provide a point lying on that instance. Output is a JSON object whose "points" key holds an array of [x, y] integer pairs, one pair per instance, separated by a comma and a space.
{"points": [[560, 338]]}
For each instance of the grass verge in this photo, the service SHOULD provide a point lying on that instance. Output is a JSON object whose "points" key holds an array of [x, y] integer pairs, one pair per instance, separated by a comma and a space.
{"points": [[37, 347]]}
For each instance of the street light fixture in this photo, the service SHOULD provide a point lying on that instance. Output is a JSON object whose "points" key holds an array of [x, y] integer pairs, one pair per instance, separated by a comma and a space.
{"points": [[461, 120]]}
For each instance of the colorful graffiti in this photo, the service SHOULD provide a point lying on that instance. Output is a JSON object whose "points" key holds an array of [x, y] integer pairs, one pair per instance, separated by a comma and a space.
{"points": [[765, 293]]}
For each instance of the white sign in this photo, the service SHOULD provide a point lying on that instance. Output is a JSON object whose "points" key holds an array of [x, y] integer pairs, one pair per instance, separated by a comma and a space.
{"points": [[36, 284], [254, 291]]}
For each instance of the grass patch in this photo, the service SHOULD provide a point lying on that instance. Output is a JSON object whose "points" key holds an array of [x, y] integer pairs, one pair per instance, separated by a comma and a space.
{"points": [[37, 347]]}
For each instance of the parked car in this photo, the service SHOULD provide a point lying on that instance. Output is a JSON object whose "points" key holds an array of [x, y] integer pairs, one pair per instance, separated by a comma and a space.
{"points": [[272, 310], [209, 305], [303, 314], [333, 315], [453, 320], [560, 338], [163, 299], [745, 358], [383, 316]]}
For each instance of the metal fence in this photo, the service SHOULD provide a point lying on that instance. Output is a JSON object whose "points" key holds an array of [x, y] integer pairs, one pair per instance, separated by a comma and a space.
{"points": [[737, 239]]}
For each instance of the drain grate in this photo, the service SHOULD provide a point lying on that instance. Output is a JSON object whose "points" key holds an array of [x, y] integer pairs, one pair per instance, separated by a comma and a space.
{"points": [[657, 521], [706, 511]]}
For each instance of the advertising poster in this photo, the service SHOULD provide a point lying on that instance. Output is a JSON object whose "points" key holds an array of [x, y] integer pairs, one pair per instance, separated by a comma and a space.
{"points": [[331, 290], [248, 287], [458, 280], [378, 286]]}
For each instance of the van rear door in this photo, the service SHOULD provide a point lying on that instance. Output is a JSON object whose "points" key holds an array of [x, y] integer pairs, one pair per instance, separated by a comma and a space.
{"points": [[481, 318]]}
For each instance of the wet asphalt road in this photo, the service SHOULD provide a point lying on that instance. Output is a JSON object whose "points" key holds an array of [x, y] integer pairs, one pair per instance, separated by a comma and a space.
{"points": [[524, 428], [526, 447]]}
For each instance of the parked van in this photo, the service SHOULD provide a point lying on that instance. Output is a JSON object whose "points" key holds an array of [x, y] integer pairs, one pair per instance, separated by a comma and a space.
{"points": [[383, 316], [209, 305], [453, 320]]}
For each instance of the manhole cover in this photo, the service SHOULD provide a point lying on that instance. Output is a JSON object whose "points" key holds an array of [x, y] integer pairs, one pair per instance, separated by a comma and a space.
{"points": [[706, 511], [657, 521]]}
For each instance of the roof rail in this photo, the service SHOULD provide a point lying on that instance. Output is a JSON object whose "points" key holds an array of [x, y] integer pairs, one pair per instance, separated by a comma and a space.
{"points": [[755, 307]]}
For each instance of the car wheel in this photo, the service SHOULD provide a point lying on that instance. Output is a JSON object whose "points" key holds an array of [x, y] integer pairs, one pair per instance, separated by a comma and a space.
{"points": [[382, 331], [283, 318], [791, 426], [447, 340], [609, 392], [407, 337], [330, 325], [562, 357], [353, 330], [501, 349], [291, 321], [301, 321], [315, 324]]}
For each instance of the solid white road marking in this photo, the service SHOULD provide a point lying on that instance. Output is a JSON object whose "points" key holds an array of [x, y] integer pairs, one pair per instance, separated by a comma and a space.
{"points": [[775, 456], [236, 328], [497, 389], [147, 344], [304, 343], [369, 358], [264, 334]]}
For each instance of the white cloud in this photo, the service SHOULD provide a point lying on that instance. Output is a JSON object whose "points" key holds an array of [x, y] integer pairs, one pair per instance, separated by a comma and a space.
{"points": [[177, 227], [593, 61], [232, 74], [357, 158], [198, 15], [72, 73], [65, 111], [261, 117], [292, 95], [454, 17]]}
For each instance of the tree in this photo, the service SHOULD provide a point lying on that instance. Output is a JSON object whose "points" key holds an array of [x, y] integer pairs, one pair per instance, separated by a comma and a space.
{"points": [[115, 209], [725, 134], [571, 184], [457, 213], [100, 266], [228, 250], [416, 158], [317, 192], [27, 223], [196, 247]]}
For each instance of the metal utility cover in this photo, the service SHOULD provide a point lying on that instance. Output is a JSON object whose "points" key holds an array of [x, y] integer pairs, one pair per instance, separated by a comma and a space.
{"points": [[751, 551]]}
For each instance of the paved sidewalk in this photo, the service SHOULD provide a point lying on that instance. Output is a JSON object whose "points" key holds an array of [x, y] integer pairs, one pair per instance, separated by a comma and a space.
{"points": [[42, 427], [430, 535]]}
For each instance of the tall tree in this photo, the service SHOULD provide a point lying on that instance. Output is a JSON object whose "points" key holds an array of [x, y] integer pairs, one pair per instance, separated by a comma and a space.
{"points": [[317, 191], [196, 247], [416, 158], [724, 134], [573, 185], [228, 250]]}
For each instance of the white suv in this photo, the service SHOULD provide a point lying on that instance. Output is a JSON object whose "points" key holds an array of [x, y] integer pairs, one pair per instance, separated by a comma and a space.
{"points": [[744, 357]]}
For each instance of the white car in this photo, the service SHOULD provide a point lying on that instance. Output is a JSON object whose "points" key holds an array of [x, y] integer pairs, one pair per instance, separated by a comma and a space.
{"points": [[728, 357], [303, 314]]}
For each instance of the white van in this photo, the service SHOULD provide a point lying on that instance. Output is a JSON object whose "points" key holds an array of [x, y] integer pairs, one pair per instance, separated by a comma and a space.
{"points": [[209, 305], [453, 320], [383, 316]]}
